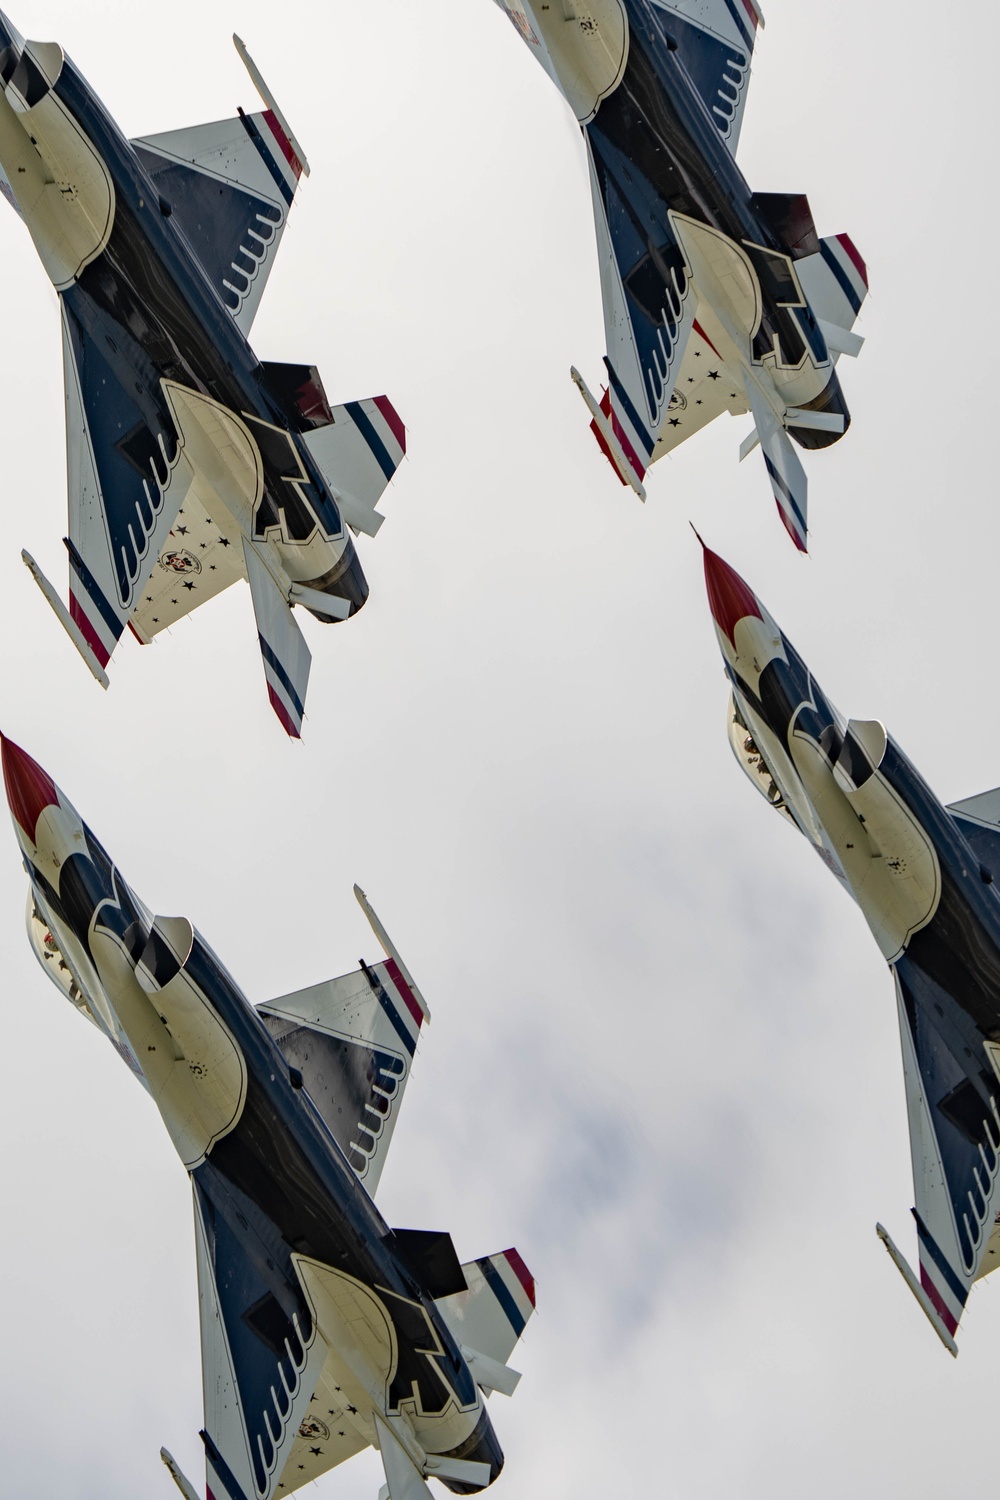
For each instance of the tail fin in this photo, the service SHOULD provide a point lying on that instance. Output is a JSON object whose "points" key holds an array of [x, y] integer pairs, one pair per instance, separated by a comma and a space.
{"points": [[489, 1318], [835, 280], [358, 452], [283, 647]]}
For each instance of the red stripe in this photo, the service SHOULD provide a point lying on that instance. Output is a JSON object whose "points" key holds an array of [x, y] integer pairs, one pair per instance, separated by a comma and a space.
{"points": [[136, 634], [286, 722], [412, 1004], [627, 449], [522, 1273], [755, 18], [79, 616], [602, 443], [287, 150], [858, 264], [702, 334], [949, 1322], [392, 417], [790, 527]]}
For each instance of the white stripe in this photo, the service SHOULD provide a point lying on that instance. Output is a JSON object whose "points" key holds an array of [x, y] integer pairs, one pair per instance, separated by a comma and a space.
{"points": [[503, 1269], [848, 267], [282, 692], [942, 1288], [638, 446], [384, 431], [94, 617]]}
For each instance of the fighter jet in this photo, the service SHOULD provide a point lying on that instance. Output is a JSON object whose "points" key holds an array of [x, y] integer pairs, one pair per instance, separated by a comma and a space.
{"points": [[191, 462], [715, 298], [323, 1330], [923, 876]]}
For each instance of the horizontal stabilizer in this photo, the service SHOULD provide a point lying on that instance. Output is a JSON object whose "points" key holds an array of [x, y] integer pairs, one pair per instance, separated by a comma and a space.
{"points": [[490, 1374], [403, 1480], [927, 1306], [491, 1316], [840, 340], [358, 452], [835, 282], [283, 648], [787, 476]]}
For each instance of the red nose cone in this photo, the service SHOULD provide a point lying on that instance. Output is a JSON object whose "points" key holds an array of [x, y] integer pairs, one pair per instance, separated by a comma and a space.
{"points": [[729, 598], [29, 789]]}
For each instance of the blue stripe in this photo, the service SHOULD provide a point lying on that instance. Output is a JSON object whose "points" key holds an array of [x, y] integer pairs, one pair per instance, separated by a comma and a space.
{"points": [[358, 416], [744, 31], [106, 610], [282, 676], [841, 275], [780, 484], [499, 1289], [937, 1255], [266, 157], [221, 1468], [630, 411], [398, 1024]]}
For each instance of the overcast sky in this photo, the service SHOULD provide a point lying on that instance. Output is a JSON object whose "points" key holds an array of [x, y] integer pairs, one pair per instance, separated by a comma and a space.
{"points": [[664, 1060]]}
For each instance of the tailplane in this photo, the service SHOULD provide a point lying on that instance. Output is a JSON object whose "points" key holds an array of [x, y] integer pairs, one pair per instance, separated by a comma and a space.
{"points": [[358, 451], [489, 1318], [835, 280]]}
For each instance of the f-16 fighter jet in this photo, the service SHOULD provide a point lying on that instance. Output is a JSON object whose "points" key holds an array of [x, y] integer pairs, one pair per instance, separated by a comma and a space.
{"points": [[923, 875], [322, 1329], [191, 462], [715, 298]]}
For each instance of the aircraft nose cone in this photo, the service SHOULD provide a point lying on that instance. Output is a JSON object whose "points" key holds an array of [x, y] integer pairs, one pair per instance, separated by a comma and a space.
{"points": [[729, 598], [30, 790]]}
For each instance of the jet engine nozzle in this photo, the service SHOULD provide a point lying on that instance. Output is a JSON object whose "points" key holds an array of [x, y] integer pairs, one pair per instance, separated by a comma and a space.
{"points": [[830, 402]]}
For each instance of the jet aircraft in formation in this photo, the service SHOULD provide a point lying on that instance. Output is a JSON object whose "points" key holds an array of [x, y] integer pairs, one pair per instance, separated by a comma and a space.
{"points": [[716, 298], [323, 1330], [191, 462], [923, 876]]}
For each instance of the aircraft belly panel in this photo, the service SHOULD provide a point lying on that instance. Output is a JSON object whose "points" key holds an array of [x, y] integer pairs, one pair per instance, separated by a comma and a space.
{"points": [[201, 557]]}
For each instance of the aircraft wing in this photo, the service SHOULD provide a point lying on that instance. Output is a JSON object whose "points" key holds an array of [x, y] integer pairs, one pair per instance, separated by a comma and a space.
{"points": [[196, 562], [705, 388], [229, 185], [649, 311], [979, 820], [952, 1079], [715, 40], [127, 482], [353, 1040], [261, 1357]]}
